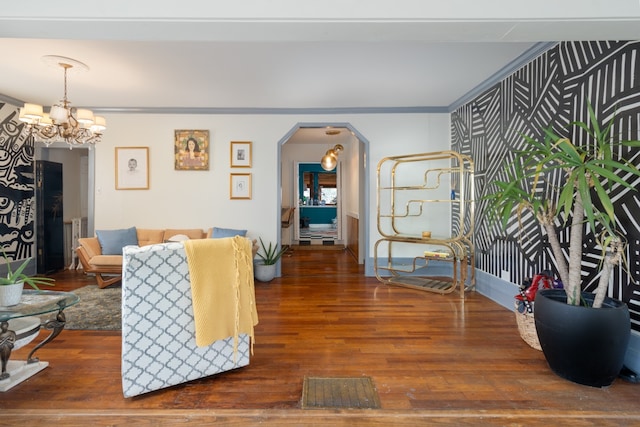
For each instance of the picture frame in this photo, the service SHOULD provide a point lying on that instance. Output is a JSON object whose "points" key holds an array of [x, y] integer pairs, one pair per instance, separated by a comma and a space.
{"points": [[240, 154], [132, 168], [191, 149], [240, 185]]}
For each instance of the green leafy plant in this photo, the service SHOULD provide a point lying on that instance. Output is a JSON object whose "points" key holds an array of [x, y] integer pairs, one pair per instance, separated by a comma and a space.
{"points": [[17, 275], [270, 254], [589, 171]]}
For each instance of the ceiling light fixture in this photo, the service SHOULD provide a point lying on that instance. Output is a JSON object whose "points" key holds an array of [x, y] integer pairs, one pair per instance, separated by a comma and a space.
{"points": [[330, 159], [75, 126]]}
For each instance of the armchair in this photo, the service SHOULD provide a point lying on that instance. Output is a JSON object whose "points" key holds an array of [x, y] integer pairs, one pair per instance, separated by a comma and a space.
{"points": [[158, 329]]}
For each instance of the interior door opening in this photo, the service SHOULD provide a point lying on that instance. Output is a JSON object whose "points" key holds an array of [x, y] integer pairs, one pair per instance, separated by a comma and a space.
{"points": [[308, 143], [319, 205], [77, 198]]}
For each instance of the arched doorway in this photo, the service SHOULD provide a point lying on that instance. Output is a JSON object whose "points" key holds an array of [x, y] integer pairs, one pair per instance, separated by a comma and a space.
{"points": [[308, 142]]}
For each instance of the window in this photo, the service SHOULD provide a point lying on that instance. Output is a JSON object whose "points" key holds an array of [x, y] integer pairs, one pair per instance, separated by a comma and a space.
{"points": [[329, 195]]}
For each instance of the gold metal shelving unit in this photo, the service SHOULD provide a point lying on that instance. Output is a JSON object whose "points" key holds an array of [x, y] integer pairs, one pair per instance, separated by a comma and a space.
{"points": [[414, 193]]}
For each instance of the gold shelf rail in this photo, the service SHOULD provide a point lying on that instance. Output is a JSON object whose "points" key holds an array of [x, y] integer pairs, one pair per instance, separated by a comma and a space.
{"points": [[414, 193]]}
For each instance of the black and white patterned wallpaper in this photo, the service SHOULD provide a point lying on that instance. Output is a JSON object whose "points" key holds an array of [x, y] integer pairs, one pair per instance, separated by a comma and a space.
{"points": [[17, 197], [553, 89]]}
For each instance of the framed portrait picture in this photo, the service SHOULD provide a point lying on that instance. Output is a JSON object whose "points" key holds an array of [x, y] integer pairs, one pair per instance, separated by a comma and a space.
{"points": [[132, 168], [240, 185], [240, 154], [191, 149]]}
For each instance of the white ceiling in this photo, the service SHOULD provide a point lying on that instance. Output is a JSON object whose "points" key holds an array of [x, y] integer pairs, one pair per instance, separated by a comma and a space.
{"points": [[288, 75], [241, 56]]}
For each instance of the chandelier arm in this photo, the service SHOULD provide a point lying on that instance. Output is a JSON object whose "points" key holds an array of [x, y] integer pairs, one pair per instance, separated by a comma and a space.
{"points": [[47, 132]]}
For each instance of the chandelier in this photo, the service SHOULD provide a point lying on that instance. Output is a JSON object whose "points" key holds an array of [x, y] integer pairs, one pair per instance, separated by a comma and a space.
{"points": [[75, 126]]}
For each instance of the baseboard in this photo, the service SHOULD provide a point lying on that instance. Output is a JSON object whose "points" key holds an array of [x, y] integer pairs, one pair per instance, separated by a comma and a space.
{"points": [[632, 358], [496, 289]]}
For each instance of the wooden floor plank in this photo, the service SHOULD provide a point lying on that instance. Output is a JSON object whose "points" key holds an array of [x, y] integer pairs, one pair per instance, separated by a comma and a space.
{"points": [[434, 359]]}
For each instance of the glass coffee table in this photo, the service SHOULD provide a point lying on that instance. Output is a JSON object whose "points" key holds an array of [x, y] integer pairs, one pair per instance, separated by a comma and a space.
{"points": [[20, 324]]}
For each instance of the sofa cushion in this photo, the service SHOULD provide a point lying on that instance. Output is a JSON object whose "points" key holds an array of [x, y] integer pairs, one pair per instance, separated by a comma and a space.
{"points": [[177, 238], [112, 241], [106, 261], [191, 233], [150, 236], [219, 233]]}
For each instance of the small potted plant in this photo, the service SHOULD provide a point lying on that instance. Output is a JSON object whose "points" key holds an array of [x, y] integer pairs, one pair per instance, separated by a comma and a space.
{"points": [[12, 285], [265, 267], [563, 184]]}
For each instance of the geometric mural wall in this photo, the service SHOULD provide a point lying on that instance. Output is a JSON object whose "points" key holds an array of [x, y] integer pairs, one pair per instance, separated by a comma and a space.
{"points": [[17, 197], [553, 89]]}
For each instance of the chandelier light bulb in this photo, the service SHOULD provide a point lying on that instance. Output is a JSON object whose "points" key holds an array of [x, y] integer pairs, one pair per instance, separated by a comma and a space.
{"points": [[330, 159], [328, 162]]}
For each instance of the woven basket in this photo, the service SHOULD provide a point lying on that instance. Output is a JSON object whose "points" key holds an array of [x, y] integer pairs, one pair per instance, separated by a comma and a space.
{"points": [[527, 328]]}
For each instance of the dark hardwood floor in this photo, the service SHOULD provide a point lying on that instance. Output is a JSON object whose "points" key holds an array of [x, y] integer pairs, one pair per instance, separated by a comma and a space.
{"points": [[434, 359]]}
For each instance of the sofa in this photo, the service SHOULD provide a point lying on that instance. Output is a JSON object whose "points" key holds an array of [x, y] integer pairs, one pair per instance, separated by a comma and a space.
{"points": [[160, 308], [101, 255]]}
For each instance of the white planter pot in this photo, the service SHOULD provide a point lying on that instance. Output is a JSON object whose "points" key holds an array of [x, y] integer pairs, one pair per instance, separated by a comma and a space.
{"points": [[264, 273], [11, 294]]}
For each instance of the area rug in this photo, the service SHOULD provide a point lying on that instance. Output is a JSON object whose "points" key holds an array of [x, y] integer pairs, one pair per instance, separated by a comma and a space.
{"points": [[354, 393], [98, 309], [319, 233], [318, 236]]}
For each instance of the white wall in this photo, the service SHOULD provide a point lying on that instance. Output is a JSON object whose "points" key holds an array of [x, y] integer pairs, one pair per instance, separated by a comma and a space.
{"points": [[401, 136], [200, 199], [351, 179]]}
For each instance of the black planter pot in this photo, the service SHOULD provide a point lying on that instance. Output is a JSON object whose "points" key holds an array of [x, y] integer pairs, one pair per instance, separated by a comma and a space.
{"points": [[582, 344]]}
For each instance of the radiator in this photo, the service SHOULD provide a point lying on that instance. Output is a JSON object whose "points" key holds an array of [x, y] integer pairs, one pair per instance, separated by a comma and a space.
{"points": [[73, 230]]}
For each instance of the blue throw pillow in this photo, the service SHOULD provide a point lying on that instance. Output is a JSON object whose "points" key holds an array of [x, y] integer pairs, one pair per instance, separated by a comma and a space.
{"points": [[227, 232], [112, 241]]}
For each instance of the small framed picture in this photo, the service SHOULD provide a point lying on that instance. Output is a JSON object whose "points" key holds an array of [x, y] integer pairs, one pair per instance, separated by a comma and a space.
{"points": [[240, 185], [132, 168], [240, 154], [191, 150]]}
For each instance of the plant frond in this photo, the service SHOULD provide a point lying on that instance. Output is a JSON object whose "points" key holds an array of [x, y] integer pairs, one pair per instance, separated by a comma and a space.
{"points": [[271, 253]]}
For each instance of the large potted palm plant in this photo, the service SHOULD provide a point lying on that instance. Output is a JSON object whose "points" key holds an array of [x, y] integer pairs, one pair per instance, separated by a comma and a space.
{"points": [[564, 184]]}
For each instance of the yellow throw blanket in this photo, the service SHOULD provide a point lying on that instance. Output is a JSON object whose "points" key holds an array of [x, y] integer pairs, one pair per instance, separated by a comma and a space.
{"points": [[222, 290]]}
